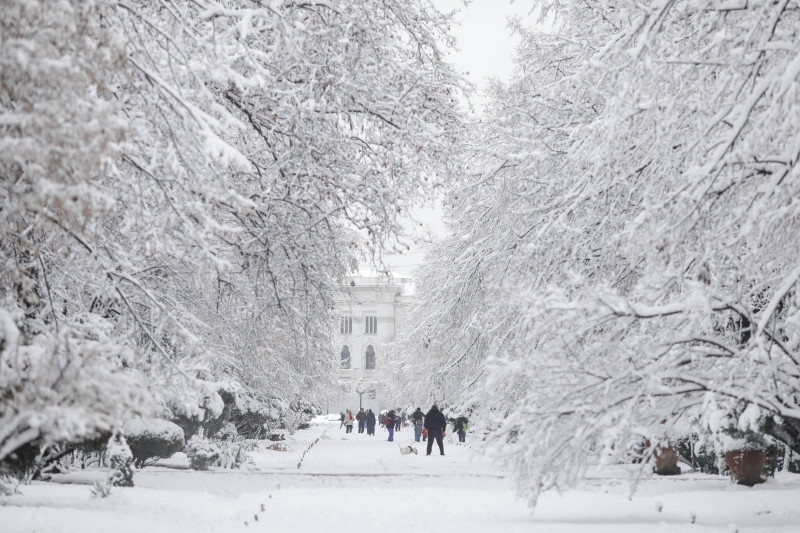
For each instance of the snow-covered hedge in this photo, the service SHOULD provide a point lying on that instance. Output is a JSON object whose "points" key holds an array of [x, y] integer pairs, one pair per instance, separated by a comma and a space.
{"points": [[150, 438]]}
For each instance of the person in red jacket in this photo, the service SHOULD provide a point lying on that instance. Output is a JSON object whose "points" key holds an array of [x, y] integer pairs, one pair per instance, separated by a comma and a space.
{"points": [[435, 422]]}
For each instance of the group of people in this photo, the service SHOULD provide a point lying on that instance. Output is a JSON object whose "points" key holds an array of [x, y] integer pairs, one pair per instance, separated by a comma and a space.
{"points": [[366, 421], [430, 426]]}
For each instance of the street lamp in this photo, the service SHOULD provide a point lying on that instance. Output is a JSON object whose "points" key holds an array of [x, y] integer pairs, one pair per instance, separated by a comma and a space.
{"points": [[360, 393]]}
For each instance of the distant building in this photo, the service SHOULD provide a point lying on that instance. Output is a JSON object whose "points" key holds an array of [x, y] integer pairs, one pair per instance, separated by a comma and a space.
{"points": [[370, 312]]}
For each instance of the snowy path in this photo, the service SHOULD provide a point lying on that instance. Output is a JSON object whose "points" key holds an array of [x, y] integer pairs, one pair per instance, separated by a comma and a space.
{"points": [[354, 483]]}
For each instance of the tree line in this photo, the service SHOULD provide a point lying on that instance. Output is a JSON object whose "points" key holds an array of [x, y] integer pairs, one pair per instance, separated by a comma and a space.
{"points": [[623, 261], [183, 185]]}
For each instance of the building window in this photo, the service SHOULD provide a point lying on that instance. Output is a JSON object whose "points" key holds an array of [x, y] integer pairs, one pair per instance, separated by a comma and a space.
{"points": [[347, 325], [371, 325], [370, 362], [345, 357]]}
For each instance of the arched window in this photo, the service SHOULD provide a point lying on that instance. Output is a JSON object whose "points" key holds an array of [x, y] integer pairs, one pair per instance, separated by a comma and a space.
{"points": [[370, 362], [345, 356]]}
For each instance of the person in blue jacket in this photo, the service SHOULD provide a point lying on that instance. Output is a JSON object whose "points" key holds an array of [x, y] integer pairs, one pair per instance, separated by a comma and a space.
{"points": [[370, 422]]}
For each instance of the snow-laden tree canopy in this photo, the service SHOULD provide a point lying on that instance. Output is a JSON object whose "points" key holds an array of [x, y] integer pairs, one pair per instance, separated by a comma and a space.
{"points": [[623, 263], [183, 186]]}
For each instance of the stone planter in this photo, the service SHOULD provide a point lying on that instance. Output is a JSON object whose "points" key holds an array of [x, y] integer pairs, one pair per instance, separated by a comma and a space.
{"points": [[746, 466], [666, 462]]}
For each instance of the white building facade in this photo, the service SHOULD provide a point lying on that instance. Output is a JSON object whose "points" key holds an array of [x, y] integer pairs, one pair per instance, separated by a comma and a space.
{"points": [[370, 312]]}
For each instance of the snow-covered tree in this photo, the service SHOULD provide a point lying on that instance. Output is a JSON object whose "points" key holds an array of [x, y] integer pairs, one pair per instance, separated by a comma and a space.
{"points": [[644, 162], [185, 183]]}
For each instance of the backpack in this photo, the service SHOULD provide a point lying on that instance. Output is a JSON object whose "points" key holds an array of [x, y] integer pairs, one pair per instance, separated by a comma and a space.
{"points": [[386, 421]]}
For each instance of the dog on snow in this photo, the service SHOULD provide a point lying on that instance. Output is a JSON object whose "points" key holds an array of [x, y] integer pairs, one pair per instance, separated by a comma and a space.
{"points": [[405, 450]]}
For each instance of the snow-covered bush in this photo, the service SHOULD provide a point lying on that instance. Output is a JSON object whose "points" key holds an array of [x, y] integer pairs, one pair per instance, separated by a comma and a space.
{"points": [[233, 455], [87, 391], [120, 461], [738, 429], [100, 489], [202, 453], [149, 438], [8, 484], [199, 411], [251, 414], [216, 404], [298, 416], [228, 433]]}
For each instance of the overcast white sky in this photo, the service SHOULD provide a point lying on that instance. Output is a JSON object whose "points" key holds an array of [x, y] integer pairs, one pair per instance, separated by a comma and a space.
{"points": [[485, 43], [485, 51]]}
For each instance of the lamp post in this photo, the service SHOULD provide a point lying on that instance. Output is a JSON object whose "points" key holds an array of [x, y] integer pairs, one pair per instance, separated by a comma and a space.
{"points": [[360, 391]]}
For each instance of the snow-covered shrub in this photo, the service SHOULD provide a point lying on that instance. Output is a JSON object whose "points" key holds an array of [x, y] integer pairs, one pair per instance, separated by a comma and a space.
{"points": [[233, 455], [22, 463], [121, 462], [276, 436], [251, 414], [101, 489], [202, 453], [151, 438], [228, 433], [200, 411], [738, 429], [8, 484], [59, 390], [214, 405], [297, 415]]}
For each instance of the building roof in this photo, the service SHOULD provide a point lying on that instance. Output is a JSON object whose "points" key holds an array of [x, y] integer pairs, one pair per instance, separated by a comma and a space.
{"points": [[371, 278]]}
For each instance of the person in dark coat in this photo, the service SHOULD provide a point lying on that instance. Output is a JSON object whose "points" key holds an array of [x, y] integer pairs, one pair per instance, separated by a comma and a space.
{"points": [[460, 427], [435, 423], [361, 417], [417, 418], [370, 422], [389, 423]]}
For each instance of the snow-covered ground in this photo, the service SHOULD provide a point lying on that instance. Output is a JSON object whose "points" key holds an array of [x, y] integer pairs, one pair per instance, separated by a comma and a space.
{"points": [[354, 483]]}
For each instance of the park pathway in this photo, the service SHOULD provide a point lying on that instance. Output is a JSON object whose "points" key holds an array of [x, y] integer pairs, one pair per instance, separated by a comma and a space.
{"points": [[354, 482]]}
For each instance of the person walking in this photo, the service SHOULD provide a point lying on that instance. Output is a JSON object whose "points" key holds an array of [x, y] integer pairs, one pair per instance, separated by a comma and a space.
{"points": [[460, 425], [348, 420], [389, 423], [435, 423], [397, 421], [341, 420], [370, 423], [362, 420], [417, 418]]}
